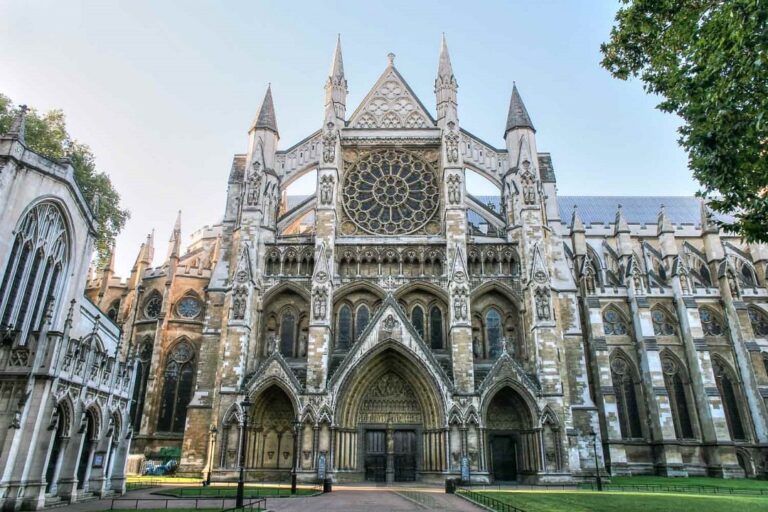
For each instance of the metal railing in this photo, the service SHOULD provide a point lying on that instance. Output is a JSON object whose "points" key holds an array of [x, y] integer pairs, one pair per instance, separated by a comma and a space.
{"points": [[678, 488], [254, 505], [487, 501], [142, 484]]}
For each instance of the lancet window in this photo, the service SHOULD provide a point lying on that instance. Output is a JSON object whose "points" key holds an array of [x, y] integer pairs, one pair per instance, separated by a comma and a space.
{"points": [[140, 386], [676, 383], [178, 379], [625, 388], [38, 261], [729, 395]]}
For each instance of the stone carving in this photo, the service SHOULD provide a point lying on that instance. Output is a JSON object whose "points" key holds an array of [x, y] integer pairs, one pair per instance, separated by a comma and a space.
{"points": [[390, 323], [733, 284], [239, 299], [320, 303], [326, 189], [451, 140], [329, 143], [391, 106], [253, 186], [303, 345], [528, 183], [543, 308], [476, 348], [390, 400], [454, 189], [460, 304]]}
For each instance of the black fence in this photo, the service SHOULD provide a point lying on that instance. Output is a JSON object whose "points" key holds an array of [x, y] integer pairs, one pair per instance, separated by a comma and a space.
{"points": [[142, 484], [228, 490], [487, 501], [223, 504], [678, 488]]}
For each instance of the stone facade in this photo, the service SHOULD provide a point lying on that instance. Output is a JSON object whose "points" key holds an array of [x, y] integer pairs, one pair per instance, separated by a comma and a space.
{"points": [[391, 326], [65, 386]]}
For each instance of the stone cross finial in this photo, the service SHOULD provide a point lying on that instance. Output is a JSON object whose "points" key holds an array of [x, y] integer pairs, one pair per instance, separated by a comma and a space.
{"points": [[391, 58]]}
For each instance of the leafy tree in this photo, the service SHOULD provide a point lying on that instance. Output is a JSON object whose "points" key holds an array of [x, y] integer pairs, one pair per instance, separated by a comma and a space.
{"points": [[708, 60], [47, 134]]}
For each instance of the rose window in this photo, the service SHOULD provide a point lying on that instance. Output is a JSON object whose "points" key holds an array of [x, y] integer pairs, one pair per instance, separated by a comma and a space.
{"points": [[390, 192]]}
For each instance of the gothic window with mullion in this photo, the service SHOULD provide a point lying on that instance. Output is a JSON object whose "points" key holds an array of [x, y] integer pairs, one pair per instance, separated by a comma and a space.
{"points": [[677, 385], [730, 395], [289, 328], [759, 321], [625, 389], [429, 325], [178, 386], [140, 385]]}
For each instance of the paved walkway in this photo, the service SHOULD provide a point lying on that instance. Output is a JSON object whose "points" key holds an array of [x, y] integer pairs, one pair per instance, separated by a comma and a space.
{"points": [[346, 498]]}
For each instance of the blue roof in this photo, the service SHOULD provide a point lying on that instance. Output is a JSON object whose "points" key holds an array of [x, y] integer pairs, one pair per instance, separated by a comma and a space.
{"points": [[637, 209]]}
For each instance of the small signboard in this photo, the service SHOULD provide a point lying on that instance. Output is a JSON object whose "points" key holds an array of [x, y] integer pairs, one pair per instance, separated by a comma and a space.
{"points": [[98, 459], [321, 466], [465, 469]]}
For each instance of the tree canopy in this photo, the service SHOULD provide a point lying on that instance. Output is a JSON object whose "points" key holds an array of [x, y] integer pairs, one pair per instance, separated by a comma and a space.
{"points": [[47, 134], [708, 60]]}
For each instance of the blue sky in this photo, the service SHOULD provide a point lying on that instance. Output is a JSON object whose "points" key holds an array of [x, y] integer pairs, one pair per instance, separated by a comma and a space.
{"points": [[164, 92]]}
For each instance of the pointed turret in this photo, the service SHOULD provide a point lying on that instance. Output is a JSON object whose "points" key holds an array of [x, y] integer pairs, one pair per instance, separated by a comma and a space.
{"points": [[107, 271], [518, 115], [263, 135], [621, 225], [265, 118], [336, 87], [174, 243], [666, 233], [577, 226], [663, 224], [19, 125], [446, 87], [143, 261], [578, 239]]}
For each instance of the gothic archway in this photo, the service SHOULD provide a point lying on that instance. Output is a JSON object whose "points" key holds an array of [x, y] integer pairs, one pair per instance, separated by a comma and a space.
{"points": [[270, 431], [390, 420], [513, 439]]}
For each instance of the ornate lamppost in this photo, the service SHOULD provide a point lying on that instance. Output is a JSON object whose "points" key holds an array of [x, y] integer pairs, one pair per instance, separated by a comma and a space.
{"points": [[597, 463], [245, 405], [212, 442], [296, 425]]}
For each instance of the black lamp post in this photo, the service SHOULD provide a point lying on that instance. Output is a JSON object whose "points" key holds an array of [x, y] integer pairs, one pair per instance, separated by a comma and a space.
{"points": [[245, 404], [597, 463], [296, 425], [211, 444]]}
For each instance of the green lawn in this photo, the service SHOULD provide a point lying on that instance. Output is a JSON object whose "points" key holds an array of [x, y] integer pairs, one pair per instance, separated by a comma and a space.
{"points": [[734, 483], [587, 501], [229, 491]]}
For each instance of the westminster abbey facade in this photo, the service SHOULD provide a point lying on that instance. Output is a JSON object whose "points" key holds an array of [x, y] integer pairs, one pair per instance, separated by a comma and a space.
{"points": [[390, 326]]}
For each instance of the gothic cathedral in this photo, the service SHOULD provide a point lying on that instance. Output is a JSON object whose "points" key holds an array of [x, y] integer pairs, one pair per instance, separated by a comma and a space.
{"points": [[393, 327]]}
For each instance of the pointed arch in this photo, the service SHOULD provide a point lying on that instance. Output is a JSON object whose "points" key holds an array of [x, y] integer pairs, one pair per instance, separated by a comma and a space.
{"points": [[285, 287], [731, 397], [626, 387], [152, 305], [759, 320], [664, 322], [615, 321], [678, 385], [179, 370], [711, 321]]}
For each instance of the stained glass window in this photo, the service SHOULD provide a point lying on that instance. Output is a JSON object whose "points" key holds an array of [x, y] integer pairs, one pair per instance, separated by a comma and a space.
{"points": [[493, 332], [662, 323], [417, 319], [287, 333], [153, 306], [361, 321], [436, 328], [344, 336], [613, 323], [189, 307], [626, 399], [177, 388], [710, 324], [759, 322]]}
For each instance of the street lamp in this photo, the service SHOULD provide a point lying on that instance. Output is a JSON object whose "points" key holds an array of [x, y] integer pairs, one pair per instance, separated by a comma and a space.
{"points": [[211, 444], [597, 464], [245, 404], [296, 425]]}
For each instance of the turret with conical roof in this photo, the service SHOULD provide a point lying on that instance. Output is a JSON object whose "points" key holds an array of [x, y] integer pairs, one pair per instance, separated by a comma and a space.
{"points": [[263, 134], [336, 87], [446, 87], [517, 117]]}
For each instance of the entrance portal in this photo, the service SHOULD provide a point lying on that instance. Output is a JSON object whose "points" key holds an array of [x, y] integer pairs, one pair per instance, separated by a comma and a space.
{"points": [[504, 458], [391, 451]]}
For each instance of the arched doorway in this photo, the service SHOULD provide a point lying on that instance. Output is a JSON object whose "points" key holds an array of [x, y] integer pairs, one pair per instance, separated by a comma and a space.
{"points": [[270, 431], [513, 443], [390, 424], [89, 441]]}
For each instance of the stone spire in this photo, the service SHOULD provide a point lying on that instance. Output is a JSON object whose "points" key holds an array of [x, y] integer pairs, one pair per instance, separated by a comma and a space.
{"points": [[577, 226], [336, 86], [19, 126], [174, 243], [662, 223], [621, 225], [578, 239], [445, 86], [518, 115], [265, 118]]}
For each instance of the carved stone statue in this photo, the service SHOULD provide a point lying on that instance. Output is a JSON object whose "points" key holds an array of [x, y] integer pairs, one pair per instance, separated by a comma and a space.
{"points": [[460, 304], [320, 304], [543, 309], [326, 189], [329, 143], [303, 345], [454, 189], [452, 143], [476, 347], [239, 299]]}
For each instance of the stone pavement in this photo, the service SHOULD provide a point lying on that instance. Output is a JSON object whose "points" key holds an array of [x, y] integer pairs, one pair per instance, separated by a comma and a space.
{"points": [[346, 498]]}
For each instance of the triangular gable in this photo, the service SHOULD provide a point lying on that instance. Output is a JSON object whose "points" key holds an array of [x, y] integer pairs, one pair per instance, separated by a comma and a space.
{"points": [[273, 367], [391, 103], [389, 322], [244, 271], [507, 366]]}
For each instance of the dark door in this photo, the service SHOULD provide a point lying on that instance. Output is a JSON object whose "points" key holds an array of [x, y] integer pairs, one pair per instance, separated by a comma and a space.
{"points": [[504, 458], [376, 455], [405, 456]]}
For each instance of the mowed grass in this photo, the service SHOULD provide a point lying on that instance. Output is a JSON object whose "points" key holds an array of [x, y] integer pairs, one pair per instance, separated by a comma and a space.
{"points": [[588, 501], [734, 483]]}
